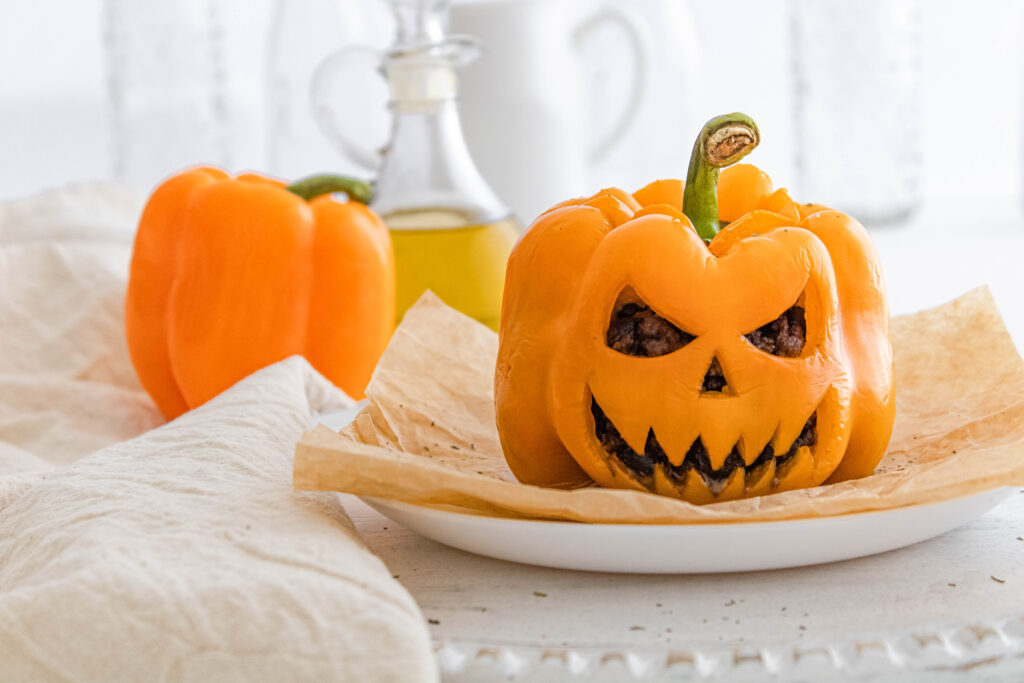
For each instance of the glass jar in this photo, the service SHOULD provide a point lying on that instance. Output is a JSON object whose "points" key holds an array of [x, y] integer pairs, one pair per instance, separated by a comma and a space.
{"points": [[451, 233], [857, 71]]}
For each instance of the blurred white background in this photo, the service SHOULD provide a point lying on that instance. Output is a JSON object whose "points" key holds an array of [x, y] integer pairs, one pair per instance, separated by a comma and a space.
{"points": [[54, 120]]}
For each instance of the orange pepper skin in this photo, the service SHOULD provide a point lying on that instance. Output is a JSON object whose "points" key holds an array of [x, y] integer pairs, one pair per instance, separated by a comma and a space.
{"points": [[741, 189], [352, 307], [668, 191], [534, 312], [230, 275], [866, 335], [152, 273], [562, 284]]}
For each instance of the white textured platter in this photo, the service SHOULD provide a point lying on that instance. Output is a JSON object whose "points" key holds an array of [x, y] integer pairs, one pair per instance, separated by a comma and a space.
{"points": [[690, 548]]}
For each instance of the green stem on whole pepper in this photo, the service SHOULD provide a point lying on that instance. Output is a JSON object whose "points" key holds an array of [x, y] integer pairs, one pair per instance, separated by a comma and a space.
{"points": [[723, 141], [316, 185]]}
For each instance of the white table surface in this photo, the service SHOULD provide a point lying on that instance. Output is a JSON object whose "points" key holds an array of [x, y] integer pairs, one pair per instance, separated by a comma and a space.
{"points": [[934, 604], [935, 607]]}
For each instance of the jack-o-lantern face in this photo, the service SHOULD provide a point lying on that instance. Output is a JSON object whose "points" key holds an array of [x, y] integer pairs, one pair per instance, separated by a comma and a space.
{"points": [[701, 375], [637, 352]]}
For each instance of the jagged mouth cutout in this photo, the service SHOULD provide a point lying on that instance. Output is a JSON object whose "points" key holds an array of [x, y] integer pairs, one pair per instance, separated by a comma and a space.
{"points": [[644, 464], [635, 329]]}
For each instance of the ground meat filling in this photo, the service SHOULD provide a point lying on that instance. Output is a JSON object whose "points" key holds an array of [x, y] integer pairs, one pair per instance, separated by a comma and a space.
{"points": [[696, 457], [714, 379], [636, 330], [785, 336]]}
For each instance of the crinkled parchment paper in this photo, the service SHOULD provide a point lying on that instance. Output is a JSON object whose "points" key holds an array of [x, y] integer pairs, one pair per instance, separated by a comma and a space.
{"points": [[428, 435]]}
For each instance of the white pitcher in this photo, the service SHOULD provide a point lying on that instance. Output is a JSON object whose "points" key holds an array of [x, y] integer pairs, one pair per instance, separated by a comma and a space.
{"points": [[524, 103]]}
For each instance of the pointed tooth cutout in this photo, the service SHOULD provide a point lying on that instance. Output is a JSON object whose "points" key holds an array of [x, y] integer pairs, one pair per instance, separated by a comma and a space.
{"points": [[696, 490], [676, 437], [756, 435], [735, 487], [719, 439], [789, 428], [630, 422], [663, 483], [795, 469], [761, 480]]}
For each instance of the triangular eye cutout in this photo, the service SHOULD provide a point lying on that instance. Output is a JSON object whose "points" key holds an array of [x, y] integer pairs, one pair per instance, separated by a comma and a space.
{"points": [[785, 336], [636, 330], [714, 378]]}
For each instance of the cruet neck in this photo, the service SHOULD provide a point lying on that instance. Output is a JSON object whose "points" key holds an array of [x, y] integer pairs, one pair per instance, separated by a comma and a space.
{"points": [[419, 22]]}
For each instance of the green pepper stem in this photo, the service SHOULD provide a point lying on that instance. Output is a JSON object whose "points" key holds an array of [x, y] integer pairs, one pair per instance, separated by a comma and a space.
{"points": [[316, 185], [724, 140]]}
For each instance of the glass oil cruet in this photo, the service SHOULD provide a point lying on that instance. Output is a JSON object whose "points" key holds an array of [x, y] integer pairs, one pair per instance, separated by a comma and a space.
{"points": [[451, 233]]}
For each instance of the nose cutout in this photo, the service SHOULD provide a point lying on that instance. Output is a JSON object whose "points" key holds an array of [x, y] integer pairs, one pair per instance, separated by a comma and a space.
{"points": [[714, 378]]}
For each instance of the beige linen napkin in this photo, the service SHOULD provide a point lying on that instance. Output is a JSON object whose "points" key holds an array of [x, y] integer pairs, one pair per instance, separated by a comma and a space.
{"points": [[182, 553]]}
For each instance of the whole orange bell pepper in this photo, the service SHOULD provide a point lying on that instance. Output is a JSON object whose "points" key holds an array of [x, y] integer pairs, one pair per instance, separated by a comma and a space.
{"points": [[709, 341], [229, 275]]}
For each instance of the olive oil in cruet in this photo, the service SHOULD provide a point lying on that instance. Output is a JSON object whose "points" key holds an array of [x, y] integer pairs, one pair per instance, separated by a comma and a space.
{"points": [[452, 235]]}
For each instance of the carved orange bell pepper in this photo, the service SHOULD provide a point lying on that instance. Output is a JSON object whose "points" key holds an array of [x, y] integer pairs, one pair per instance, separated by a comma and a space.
{"points": [[229, 275], [643, 345]]}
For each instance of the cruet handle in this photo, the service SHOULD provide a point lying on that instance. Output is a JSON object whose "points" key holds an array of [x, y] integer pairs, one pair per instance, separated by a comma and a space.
{"points": [[636, 33], [335, 109]]}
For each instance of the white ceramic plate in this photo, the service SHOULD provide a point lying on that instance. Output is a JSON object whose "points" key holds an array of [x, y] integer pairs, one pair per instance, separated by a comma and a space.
{"points": [[689, 548]]}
